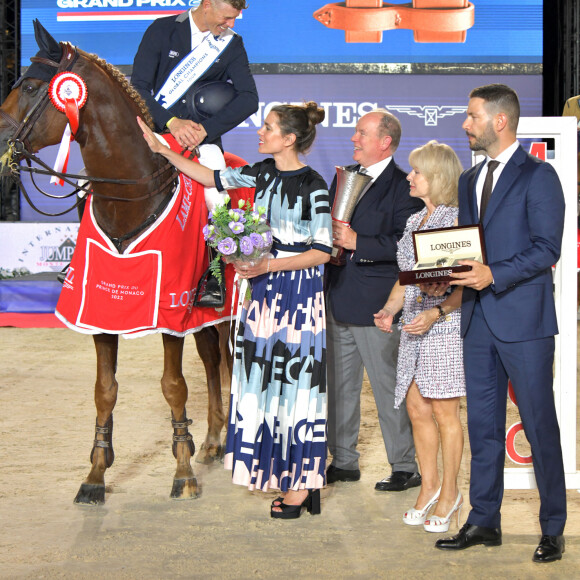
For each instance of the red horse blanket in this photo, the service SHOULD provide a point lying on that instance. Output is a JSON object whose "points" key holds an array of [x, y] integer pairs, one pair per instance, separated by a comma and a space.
{"points": [[151, 286]]}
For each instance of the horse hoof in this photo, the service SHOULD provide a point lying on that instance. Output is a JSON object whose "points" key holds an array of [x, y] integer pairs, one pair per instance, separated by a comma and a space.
{"points": [[91, 494], [184, 489], [210, 453]]}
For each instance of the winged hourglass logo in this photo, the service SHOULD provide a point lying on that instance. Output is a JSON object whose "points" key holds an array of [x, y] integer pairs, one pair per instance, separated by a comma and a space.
{"points": [[430, 113]]}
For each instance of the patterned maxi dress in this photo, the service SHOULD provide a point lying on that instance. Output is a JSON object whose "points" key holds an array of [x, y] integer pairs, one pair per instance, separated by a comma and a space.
{"points": [[434, 359], [277, 427]]}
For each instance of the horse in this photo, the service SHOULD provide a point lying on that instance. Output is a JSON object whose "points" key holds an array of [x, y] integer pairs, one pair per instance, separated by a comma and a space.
{"points": [[112, 145]]}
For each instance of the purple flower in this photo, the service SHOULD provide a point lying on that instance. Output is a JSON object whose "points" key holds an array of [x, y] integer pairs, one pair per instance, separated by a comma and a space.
{"points": [[267, 237], [257, 240], [207, 231], [240, 213], [246, 245], [236, 227], [227, 246]]}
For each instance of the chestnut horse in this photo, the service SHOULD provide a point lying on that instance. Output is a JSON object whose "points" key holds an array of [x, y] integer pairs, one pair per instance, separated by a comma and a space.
{"points": [[111, 145]]}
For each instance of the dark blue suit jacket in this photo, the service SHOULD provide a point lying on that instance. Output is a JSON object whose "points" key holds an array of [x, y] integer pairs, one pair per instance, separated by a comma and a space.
{"points": [[165, 43], [523, 227], [361, 287]]}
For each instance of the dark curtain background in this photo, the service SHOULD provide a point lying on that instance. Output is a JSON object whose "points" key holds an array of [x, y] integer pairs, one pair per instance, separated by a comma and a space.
{"points": [[561, 54]]}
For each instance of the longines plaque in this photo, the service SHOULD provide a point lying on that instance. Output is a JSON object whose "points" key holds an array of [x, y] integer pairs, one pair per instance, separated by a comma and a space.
{"points": [[438, 252]]}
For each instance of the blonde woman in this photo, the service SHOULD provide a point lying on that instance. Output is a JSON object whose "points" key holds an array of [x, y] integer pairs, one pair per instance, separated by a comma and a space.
{"points": [[430, 365]]}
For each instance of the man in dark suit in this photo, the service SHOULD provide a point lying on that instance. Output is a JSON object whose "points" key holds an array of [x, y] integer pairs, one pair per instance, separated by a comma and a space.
{"points": [[217, 54], [358, 290], [508, 318]]}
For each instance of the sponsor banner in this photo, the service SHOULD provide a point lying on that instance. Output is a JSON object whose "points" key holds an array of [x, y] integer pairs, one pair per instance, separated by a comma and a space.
{"points": [[279, 31], [428, 106], [37, 247]]}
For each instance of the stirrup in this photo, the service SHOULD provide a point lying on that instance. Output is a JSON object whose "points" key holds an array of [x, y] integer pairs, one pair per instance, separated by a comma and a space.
{"points": [[210, 292]]}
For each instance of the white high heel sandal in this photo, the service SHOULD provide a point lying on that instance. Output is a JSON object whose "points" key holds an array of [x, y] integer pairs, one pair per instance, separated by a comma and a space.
{"points": [[439, 524], [414, 517]]}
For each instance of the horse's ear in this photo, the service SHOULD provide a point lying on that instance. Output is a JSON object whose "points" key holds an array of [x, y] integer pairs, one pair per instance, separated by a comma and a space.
{"points": [[46, 42]]}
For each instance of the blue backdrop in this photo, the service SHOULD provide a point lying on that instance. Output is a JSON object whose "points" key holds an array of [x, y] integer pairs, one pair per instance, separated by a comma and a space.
{"points": [[284, 31], [430, 106]]}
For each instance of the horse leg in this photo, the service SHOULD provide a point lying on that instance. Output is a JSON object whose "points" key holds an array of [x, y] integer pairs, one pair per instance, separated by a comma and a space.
{"points": [[92, 490], [207, 341], [175, 393], [227, 337]]}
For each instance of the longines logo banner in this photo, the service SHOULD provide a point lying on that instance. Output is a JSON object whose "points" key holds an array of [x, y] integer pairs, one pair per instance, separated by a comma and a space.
{"points": [[429, 113], [346, 114], [37, 247]]}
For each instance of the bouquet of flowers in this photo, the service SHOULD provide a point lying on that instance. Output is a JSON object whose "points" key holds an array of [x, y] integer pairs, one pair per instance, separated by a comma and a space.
{"points": [[239, 234]]}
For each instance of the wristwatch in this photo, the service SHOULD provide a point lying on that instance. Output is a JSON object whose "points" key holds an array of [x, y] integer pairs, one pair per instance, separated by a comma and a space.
{"points": [[441, 312]]}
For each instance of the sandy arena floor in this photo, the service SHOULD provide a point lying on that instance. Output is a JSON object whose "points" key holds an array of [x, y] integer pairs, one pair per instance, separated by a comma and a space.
{"points": [[46, 431]]}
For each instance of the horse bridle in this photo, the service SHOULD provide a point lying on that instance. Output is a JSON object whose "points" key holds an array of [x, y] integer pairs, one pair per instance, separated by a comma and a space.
{"points": [[19, 144], [19, 147]]}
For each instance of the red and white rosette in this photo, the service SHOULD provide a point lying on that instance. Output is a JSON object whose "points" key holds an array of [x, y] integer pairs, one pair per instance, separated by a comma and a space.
{"points": [[68, 93]]}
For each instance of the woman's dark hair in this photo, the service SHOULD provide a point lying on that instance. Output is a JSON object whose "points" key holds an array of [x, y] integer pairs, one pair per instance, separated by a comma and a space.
{"points": [[301, 120]]}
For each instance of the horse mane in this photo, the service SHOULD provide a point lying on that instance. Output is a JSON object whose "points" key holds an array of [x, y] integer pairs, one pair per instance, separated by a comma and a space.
{"points": [[121, 79]]}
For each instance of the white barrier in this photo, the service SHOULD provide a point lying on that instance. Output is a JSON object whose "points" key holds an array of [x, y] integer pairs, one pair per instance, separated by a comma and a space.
{"points": [[563, 131], [37, 247]]}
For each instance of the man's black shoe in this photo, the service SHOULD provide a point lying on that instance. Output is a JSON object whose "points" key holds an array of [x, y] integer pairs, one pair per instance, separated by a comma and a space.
{"points": [[399, 481], [470, 535], [334, 474], [549, 549]]}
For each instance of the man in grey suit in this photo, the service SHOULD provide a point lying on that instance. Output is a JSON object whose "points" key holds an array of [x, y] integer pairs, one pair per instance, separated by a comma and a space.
{"points": [[355, 292]]}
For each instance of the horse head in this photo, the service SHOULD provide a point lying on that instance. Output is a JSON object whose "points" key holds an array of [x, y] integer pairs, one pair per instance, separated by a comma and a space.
{"points": [[30, 119], [27, 120], [118, 162]]}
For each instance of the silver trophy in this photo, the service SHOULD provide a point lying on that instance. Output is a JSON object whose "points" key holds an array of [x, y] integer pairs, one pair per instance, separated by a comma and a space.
{"points": [[350, 185]]}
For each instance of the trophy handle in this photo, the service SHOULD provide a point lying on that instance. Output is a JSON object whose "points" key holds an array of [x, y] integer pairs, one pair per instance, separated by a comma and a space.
{"points": [[337, 256]]}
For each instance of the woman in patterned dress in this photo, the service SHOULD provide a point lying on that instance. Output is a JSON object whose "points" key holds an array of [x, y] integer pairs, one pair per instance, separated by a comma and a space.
{"points": [[430, 365], [276, 434]]}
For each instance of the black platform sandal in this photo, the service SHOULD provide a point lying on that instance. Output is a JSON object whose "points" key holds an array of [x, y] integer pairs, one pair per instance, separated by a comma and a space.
{"points": [[276, 502], [292, 512]]}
